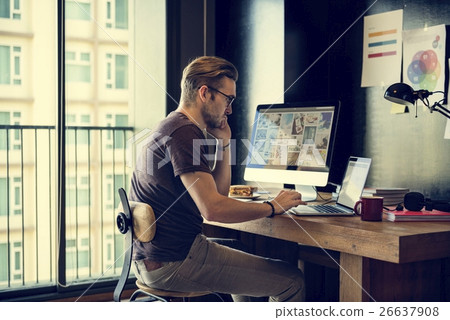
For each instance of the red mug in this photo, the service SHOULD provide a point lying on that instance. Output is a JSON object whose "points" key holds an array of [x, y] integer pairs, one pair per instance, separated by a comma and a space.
{"points": [[369, 208]]}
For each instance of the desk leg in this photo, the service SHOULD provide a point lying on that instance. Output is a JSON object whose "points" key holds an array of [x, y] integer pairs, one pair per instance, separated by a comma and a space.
{"points": [[351, 278]]}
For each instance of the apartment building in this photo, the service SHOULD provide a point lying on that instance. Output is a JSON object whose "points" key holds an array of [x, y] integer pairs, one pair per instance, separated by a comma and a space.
{"points": [[97, 107]]}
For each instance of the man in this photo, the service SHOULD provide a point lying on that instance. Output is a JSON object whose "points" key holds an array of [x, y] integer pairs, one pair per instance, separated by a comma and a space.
{"points": [[173, 176]]}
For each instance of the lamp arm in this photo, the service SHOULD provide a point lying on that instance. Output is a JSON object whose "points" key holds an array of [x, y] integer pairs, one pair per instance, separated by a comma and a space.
{"points": [[439, 108]]}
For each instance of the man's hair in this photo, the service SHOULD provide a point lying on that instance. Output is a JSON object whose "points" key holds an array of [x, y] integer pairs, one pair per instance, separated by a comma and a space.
{"points": [[206, 70]]}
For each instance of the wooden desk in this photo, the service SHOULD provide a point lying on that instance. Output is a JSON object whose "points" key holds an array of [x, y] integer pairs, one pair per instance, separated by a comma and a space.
{"points": [[379, 261]]}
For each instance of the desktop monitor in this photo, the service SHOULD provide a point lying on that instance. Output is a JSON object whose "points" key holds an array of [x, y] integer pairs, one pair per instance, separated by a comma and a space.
{"points": [[292, 143]]}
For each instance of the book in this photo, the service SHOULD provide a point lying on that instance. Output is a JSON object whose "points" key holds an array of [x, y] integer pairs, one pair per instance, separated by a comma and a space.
{"points": [[392, 196], [423, 215]]}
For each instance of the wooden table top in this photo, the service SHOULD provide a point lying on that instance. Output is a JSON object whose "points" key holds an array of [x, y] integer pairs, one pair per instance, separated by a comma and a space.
{"points": [[397, 242]]}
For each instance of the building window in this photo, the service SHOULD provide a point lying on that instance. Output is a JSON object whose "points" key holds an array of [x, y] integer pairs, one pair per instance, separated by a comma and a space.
{"points": [[10, 72], [117, 14], [77, 194], [77, 253], [79, 136], [116, 71], [114, 250], [3, 197], [78, 10], [16, 195], [112, 185], [10, 137], [10, 9], [78, 66], [118, 120], [15, 261]]}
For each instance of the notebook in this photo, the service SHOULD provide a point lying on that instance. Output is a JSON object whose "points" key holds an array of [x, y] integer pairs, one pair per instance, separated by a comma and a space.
{"points": [[351, 190]]}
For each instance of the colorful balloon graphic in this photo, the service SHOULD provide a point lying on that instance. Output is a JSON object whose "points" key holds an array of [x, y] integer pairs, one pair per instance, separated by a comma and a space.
{"points": [[424, 70]]}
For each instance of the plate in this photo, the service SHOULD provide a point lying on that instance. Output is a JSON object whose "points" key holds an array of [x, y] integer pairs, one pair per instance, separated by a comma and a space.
{"points": [[246, 197]]}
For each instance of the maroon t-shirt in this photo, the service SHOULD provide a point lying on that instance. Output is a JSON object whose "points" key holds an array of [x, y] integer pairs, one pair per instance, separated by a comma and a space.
{"points": [[176, 146]]}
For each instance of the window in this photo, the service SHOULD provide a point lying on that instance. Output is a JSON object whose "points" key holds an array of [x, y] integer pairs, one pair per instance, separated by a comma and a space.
{"points": [[30, 146], [77, 194], [78, 66], [16, 194], [117, 14], [14, 205], [114, 250], [10, 9], [10, 72], [79, 136], [112, 185], [15, 261], [118, 120], [116, 71], [10, 137], [3, 197], [78, 10], [77, 253]]}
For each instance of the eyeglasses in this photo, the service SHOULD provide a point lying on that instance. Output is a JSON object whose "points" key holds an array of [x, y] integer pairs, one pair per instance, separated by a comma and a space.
{"points": [[230, 99]]}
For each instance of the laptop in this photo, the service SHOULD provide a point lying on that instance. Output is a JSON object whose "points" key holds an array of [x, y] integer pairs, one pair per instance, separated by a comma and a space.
{"points": [[351, 190]]}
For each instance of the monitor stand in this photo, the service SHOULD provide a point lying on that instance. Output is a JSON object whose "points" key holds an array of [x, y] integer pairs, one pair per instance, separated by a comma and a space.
{"points": [[309, 193]]}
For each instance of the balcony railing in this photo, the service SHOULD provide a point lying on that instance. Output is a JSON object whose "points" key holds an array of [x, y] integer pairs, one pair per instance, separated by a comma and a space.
{"points": [[95, 167]]}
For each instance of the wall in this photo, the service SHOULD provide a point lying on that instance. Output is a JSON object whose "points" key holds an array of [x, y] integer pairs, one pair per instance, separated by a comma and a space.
{"points": [[250, 34], [406, 151], [148, 58]]}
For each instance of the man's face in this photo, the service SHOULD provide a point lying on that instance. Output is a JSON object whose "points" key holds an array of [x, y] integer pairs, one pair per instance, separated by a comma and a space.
{"points": [[216, 109]]}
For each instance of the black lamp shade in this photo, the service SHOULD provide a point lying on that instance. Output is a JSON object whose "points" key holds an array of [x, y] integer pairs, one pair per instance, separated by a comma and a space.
{"points": [[400, 93]]}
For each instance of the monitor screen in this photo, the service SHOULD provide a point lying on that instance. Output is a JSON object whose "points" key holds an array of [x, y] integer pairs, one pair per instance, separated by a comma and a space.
{"points": [[292, 143]]}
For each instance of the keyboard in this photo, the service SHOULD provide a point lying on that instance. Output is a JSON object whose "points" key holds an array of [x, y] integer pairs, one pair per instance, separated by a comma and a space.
{"points": [[328, 208], [320, 210]]}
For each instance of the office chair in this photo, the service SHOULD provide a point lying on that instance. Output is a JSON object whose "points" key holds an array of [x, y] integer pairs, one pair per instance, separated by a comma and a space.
{"points": [[136, 220]]}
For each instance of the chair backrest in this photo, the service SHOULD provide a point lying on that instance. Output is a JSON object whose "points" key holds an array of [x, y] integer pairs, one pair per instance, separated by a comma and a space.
{"points": [[136, 220]]}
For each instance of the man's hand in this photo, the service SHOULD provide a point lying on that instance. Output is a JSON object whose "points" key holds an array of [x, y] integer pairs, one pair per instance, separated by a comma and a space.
{"points": [[223, 132], [286, 200]]}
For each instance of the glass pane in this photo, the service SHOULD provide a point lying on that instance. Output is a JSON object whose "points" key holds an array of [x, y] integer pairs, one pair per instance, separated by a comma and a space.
{"points": [[118, 246], [119, 135], [83, 259], [77, 73], [17, 260], [4, 119], [122, 14], [78, 10], [33, 109], [3, 257], [91, 58], [121, 72], [3, 197], [85, 56], [4, 9], [5, 65], [16, 66]]}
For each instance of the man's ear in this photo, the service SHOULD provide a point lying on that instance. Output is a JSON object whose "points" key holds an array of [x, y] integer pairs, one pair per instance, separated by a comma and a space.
{"points": [[202, 93]]}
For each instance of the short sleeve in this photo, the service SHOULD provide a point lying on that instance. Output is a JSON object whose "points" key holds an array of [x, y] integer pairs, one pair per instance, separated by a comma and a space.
{"points": [[187, 150]]}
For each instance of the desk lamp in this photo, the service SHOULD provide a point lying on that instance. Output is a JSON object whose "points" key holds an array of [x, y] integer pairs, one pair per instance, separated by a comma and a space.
{"points": [[402, 93]]}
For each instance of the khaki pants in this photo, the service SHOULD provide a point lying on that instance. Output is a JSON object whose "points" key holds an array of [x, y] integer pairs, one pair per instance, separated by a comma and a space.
{"points": [[210, 266]]}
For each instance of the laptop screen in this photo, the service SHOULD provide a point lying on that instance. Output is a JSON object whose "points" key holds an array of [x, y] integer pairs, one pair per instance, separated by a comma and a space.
{"points": [[354, 181]]}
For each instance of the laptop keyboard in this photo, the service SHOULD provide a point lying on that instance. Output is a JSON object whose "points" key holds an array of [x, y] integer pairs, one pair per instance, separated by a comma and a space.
{"points": [[328, 209]]}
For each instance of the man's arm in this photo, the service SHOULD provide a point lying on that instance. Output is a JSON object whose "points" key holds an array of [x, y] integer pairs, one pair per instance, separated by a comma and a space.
{"points": [[216, 207], [222, 172]]}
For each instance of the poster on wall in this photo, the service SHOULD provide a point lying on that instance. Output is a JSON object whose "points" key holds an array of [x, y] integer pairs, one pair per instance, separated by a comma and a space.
{"points": [[424, 60], [382, 49]]}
